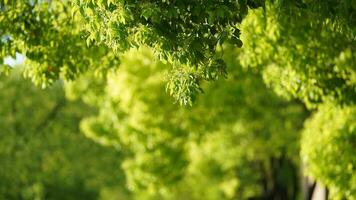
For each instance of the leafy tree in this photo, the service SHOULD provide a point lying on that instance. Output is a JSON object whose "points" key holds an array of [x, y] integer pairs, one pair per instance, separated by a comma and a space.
{"points": [[303, 49], [308, 53], [184, 33], [304, 53], [42, 153], [236, 129], [187, 34], [329, 149], [51, 38]]}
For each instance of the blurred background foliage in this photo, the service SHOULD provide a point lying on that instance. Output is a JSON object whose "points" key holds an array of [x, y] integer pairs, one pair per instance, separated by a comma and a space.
{"points": [[329, 137], [239, 141], [42, 153], [268, 88]]}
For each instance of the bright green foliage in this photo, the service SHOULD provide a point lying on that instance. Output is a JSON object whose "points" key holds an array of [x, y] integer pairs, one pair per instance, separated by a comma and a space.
{"points": [[181, 32], [50, 36], [328, 148], [310, 44], [236, 128], [303, 49], [126, 120], [42, 153], [307, 53]]}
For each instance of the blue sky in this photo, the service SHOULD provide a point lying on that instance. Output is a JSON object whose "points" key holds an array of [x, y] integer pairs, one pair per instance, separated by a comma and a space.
{"points": [[15, 61]]}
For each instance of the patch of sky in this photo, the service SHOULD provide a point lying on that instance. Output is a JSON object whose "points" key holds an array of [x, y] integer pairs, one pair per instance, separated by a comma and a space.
{"points": [[13, 62]]}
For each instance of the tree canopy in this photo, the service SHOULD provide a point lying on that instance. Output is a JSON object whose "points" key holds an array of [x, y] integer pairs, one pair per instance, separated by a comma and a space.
{"points": [[250, 72], [42, 153], [169, 145], [54, 36]]}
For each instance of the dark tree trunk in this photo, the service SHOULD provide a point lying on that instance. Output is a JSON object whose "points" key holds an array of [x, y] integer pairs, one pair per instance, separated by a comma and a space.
{"points": [[279, 180], [310, 191]]}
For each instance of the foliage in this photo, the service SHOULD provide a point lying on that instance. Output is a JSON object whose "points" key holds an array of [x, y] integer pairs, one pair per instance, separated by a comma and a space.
{"points": [[303, 49], [42, 153], [235, 128], [304, 53], [328, 148], [181, 32], [50, 37], [282, 40], [308, 53]]}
